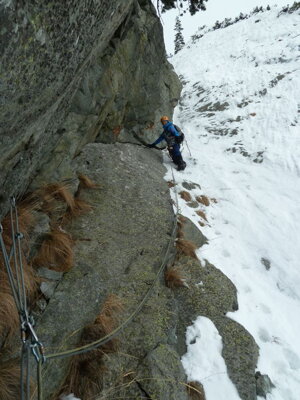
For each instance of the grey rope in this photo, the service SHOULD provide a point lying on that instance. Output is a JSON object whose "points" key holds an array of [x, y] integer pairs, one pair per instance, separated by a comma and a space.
{"points": [[14, 251], [19, 236], [9, 271], [26, 323], [188, 147], [110, 336], [30, 342]]}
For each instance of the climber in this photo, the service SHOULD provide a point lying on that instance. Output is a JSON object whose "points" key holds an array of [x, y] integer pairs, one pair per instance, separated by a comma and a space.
{"points": [[173, 138]]}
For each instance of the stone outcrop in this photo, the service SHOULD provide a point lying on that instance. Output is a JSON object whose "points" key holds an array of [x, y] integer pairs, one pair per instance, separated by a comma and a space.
{"points": [[72, 73], [212, 294], [82, 86], [117, 250]]}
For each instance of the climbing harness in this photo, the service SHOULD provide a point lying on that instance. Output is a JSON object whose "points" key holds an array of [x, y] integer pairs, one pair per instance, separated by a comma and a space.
{"points": [[30, 342]]}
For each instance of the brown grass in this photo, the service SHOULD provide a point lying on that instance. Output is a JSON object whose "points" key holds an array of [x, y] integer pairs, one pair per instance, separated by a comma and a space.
{"points": [[180, 222], [9, 319], [195, 391], [201, 214], [186, 248], [201, 223], [185, 195], [112, 306], [171, 184], [84, 378], [81, 207], [53, 192], [55, 252], [203, 200], [117, 130], [26, 223], [86, 182], [174, 277], [10, 380]]}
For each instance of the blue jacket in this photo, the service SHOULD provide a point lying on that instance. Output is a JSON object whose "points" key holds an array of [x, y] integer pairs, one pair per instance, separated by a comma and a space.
{"points": [[168, 134]]}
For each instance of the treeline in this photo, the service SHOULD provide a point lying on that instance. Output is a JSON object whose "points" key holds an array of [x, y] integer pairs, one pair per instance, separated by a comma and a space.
{"points": [[230, 21]]}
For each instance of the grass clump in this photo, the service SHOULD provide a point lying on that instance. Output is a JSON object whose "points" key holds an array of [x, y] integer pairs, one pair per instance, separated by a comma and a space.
{"points": [[55, 251], [203, 200], [185, 195], [175, 278], [9, 318], [10, 380], [86, 182], [186, 248], [85, 375], [201, 214], [195, 391]]}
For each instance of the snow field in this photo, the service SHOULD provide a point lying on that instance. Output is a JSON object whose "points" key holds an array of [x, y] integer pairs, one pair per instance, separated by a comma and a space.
{"points": [[246, 155]]}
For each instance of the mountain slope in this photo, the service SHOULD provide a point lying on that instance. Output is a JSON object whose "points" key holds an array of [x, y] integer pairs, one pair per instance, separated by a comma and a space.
{"points": [[240, 112]]}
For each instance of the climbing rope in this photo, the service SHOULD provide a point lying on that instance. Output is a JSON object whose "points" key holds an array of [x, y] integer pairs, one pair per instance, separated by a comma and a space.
{"points": [[188, 146], [30, 342]]}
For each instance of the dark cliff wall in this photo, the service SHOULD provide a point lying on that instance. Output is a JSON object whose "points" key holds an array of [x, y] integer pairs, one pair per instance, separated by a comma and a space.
{"points": [[71, 73]]}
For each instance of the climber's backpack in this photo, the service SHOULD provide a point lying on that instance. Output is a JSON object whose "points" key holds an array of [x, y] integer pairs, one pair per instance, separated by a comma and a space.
{"points": [[179, 139]]}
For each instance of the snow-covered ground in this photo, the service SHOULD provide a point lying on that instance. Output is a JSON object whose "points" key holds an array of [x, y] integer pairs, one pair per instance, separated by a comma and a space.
{"points": [[240, 112]]}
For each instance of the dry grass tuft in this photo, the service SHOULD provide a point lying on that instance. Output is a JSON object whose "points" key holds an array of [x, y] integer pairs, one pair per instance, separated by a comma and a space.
{"points": [[203, 200], [86, 182], [112, 306], [201, 223], [85, 375], [26, 223], [195, 391], [55, 252], [174, 277], [117, 130], [186, 248], [201, 214], [182, 219], [9, 317], [185, 195], [53, 192], [171, 184], [81, 207], [180, 222], [10, 380]]}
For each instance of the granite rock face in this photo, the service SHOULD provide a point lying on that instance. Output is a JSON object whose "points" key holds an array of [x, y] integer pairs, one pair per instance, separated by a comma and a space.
{"points": [[69, 74], [82, 86], [117, 250], [211, 294]]}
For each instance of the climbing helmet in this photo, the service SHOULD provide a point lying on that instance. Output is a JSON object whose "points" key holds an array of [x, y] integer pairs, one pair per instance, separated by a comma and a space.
{"points": [[164, 119]]}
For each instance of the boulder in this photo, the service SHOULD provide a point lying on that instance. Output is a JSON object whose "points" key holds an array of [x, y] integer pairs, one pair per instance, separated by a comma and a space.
{"points": [[264, 385], [192, 233], [213, 295]]}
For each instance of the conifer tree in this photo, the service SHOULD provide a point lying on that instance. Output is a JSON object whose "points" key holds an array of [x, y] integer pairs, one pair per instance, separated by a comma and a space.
{"points": [[192, 5], [217, 25], [179, 40]]}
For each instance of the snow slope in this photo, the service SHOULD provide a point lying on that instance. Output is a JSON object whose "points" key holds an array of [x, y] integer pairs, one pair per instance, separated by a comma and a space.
{"points": [[240, 112]]}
